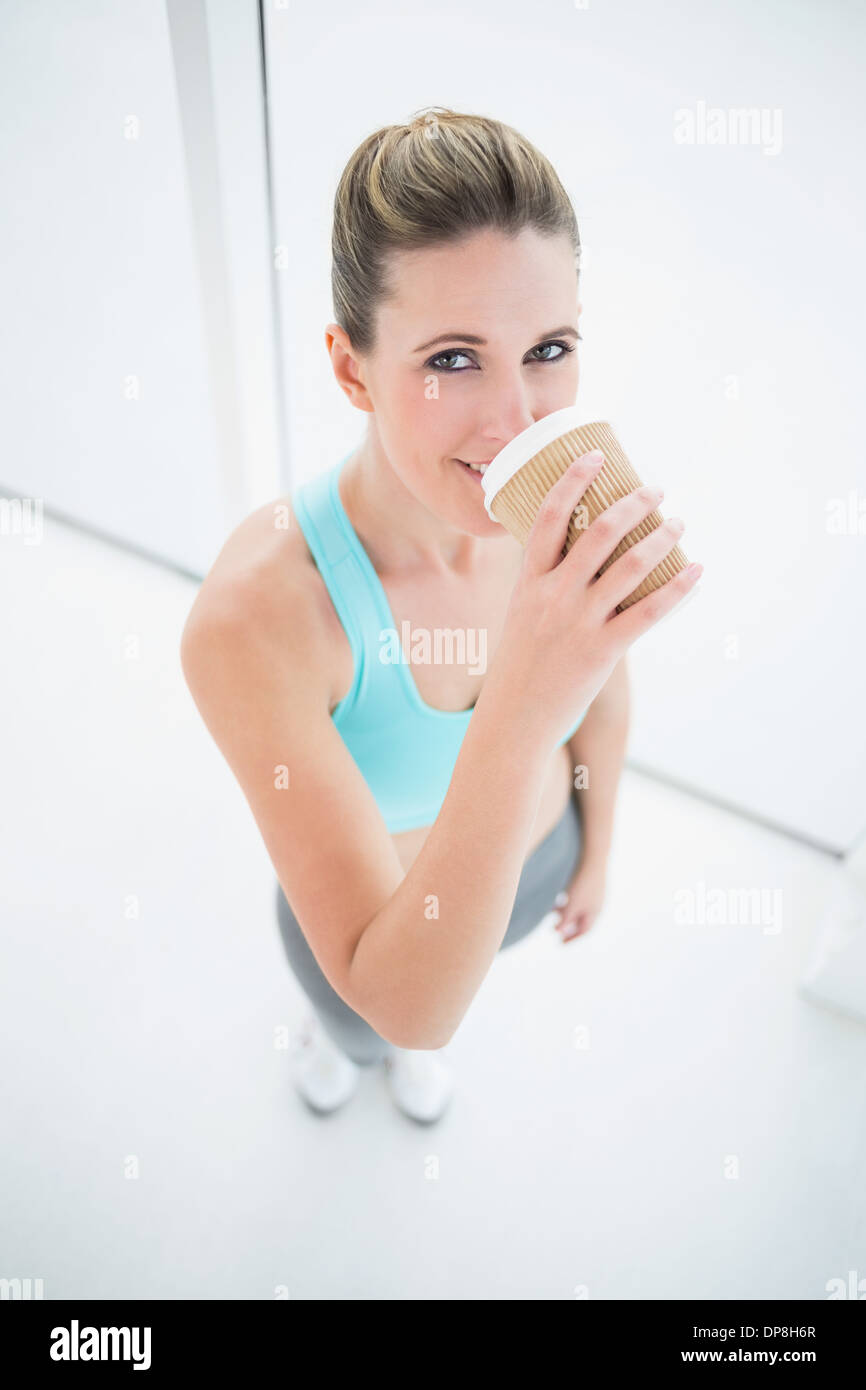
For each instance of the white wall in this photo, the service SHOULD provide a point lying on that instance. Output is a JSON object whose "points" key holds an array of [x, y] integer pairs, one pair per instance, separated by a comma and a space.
{"points": [[722, 287], [136, 375]]}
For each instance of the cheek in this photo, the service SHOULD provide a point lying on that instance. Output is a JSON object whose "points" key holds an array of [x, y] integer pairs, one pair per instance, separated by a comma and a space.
{"points": [[418, 425], [560, 387], [414, 401], [427, 409]]}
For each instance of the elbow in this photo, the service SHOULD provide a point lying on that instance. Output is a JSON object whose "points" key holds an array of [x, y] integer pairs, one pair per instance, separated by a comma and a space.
{"points": [[413, 1039], [395, 1023], [409, 1035], [426, 1039], [387, 1012], [187, 650], [429, 1042]]}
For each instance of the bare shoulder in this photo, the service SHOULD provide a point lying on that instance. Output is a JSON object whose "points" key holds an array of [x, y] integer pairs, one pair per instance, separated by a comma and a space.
{"points": [[264, 556], [265, 586]]}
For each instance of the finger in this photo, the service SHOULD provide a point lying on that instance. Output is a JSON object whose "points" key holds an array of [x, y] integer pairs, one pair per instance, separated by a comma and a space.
{"points": [[550, 527], [639, 617], [556, 912], [576, 926], [640, 559]]}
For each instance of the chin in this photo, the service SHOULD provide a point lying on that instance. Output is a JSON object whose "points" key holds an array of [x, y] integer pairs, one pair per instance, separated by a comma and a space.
{"points": [[473, 521], [466, 509], [483, 526]]}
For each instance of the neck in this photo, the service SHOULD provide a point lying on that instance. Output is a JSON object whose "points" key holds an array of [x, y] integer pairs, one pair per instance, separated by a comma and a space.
{"points": [[396, 529]]}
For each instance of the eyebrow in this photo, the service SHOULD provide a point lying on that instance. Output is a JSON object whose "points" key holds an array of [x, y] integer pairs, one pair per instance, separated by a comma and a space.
{"points": [[482, 342]]}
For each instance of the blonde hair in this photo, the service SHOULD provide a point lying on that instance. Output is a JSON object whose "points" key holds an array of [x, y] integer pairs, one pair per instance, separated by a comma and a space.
{"points": [[436, 179]]}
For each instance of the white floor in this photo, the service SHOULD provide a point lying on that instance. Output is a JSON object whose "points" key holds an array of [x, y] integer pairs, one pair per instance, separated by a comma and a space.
{"points": [[653, 1112]]}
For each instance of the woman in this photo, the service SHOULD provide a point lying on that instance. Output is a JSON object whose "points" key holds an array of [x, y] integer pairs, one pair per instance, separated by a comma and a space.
{"points": [[421, 816]]}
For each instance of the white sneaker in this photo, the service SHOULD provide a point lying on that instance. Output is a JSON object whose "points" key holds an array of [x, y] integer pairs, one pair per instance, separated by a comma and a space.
{"points": [[322, 1073], [419, 1083]]}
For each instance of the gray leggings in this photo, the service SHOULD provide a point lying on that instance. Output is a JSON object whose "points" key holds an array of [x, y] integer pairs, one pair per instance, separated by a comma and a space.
{"points": [[545, 873]]}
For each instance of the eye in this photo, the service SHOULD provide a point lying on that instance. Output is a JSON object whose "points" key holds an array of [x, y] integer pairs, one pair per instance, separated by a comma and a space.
{"points": [[450, 352], [566, 348]]}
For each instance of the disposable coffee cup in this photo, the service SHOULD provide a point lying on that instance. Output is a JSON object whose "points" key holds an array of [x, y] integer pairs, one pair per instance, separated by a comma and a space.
{"points": [[520, 476]]}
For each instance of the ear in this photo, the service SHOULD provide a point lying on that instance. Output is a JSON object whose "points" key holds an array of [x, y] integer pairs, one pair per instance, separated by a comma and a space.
{"points": [[348, 367]]}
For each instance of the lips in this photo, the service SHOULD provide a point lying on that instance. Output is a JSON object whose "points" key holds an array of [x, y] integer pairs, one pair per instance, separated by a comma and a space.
{"points": [[479, 469]]}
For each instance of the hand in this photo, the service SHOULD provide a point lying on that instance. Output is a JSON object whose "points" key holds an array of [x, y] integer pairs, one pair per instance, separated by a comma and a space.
{"points": [[562, 634], [581, 903]]}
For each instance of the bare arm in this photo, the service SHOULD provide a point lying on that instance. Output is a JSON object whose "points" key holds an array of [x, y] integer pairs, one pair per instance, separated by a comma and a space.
{"points": [[428, 949], [407, 953], [599, 746]]}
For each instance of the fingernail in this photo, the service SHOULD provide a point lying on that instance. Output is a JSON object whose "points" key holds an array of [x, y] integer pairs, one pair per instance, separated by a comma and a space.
{"points": [[560, 900]]}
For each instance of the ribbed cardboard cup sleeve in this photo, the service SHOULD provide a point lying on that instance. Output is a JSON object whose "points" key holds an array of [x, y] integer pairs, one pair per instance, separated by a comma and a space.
{"points": [[516, 503]]}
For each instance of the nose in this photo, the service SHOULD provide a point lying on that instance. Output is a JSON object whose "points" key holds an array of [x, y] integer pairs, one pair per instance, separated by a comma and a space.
{"points": [[505, 412]]}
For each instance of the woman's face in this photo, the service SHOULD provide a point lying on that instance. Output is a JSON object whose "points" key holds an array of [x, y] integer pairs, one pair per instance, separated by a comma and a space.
{"points": [[479, 340]]}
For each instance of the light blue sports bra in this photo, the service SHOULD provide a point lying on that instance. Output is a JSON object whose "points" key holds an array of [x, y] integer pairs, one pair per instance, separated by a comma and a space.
{"points": [[405, 749]]}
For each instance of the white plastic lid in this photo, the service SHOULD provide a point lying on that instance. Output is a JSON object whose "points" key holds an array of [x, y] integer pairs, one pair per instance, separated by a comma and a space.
{"points": [[523, 446]]}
